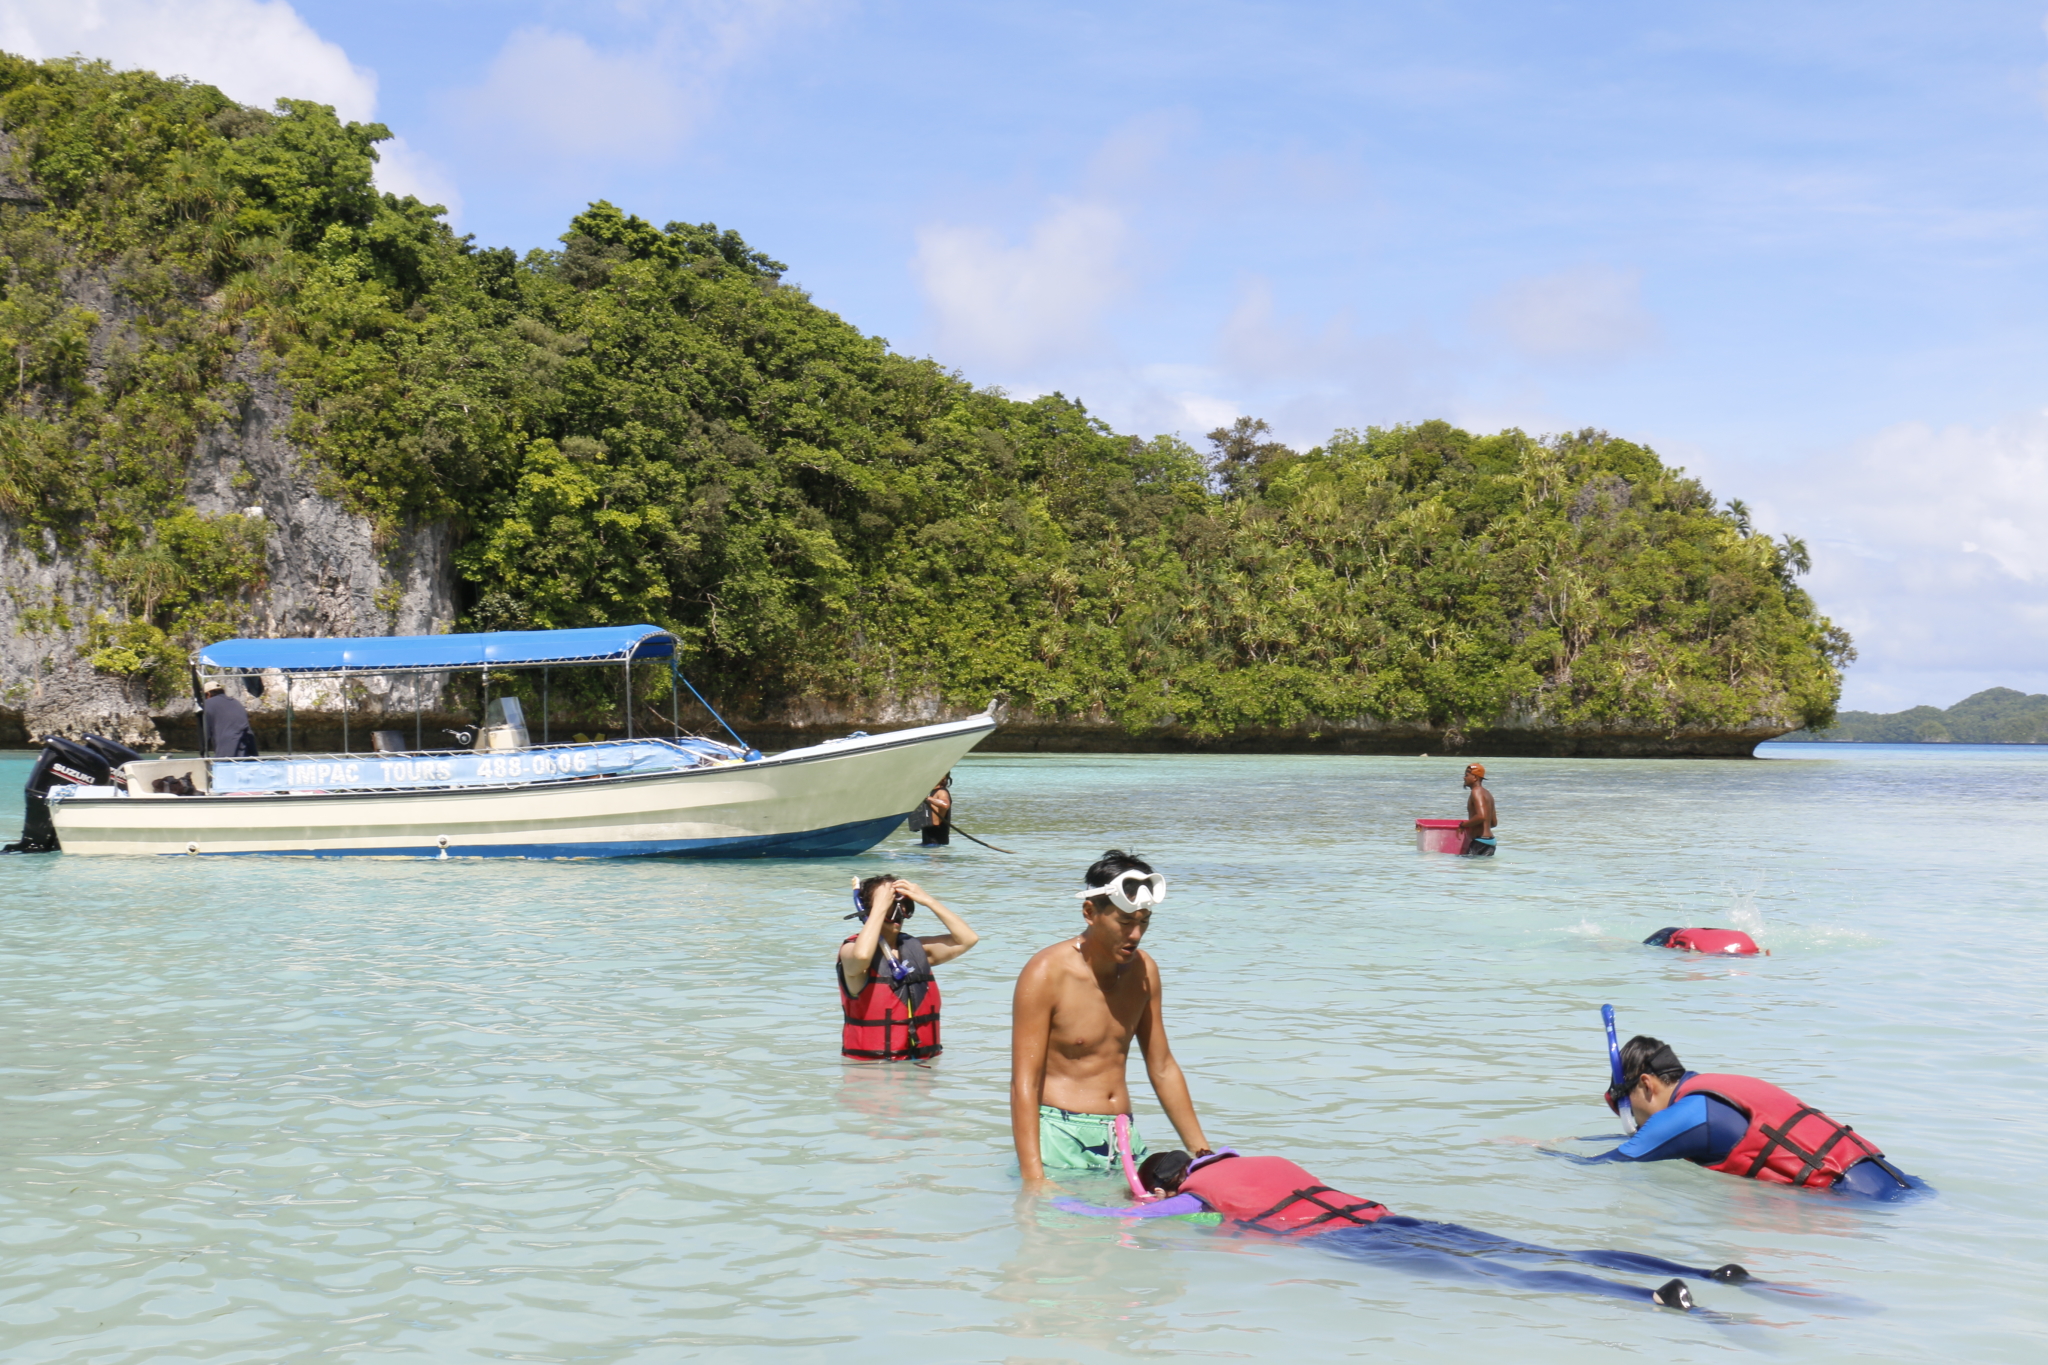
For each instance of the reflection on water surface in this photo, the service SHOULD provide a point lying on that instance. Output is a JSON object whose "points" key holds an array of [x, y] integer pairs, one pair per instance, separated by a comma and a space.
{"points": [[277, 1111]]}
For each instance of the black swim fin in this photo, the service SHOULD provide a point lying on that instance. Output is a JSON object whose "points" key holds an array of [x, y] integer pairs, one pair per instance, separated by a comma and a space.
{"points": [[1732, 1274], [1672, 1294]]}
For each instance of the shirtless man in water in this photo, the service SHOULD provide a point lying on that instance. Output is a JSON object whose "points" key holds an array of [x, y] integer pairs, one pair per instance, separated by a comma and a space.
{"points": [[1480, 816], [1077, 1007]]}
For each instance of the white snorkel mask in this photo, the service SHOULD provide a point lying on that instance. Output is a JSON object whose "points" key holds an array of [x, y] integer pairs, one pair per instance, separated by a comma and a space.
{"points": [[1130, 892]]}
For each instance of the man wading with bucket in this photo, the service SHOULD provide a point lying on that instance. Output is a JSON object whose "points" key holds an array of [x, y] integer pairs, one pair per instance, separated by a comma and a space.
{"points": [[887, 994], [1480, 816], [1077, 1007]]}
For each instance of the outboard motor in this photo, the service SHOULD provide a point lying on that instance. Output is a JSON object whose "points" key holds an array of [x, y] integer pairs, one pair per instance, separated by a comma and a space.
{"points": [[112, 750], [62, 761]]}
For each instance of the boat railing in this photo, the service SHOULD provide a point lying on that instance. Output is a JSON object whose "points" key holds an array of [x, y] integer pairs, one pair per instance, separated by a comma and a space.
{"points": [[451, 769]]}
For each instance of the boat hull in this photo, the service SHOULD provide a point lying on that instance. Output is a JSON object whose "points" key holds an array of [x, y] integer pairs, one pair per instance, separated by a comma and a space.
{"points": [[831, 800]]}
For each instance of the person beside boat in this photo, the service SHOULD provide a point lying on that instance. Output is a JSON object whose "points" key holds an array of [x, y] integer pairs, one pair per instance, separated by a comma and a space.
{"points": [[1077, 1007], [889, 999], [226, 722], [933, 819], [1272, 1195], [1480, 815], [1741, 1126]]}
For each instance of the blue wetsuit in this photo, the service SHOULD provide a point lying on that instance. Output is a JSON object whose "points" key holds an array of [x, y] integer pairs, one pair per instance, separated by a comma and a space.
{"points": [[1704, 1129], [1697, 1128], [1450, 1251]]}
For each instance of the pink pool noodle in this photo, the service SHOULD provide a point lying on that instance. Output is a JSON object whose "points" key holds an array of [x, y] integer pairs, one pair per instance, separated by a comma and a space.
{"points": [[1123, 1152]]}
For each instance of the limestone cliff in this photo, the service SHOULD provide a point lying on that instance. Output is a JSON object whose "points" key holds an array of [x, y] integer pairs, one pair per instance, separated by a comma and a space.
{"points": [[324, 574]]}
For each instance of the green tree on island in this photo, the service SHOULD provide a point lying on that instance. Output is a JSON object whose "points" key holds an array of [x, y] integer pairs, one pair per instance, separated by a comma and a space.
{"points": [[649, 423]]}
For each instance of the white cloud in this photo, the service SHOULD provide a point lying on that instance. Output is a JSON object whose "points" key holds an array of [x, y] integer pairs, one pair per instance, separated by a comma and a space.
{"points": [[1950, 502], [402, 170], [1028, 303], [1256, 340], [1310, 376], [2043, 91], [1190, 400], [1928, 546], [550, 94], [1197, 410], [1590, 313], [255, 52]]}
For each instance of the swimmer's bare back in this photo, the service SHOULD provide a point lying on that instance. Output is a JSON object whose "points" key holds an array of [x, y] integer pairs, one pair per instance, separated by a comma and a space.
{"points": [[1480, 814]]}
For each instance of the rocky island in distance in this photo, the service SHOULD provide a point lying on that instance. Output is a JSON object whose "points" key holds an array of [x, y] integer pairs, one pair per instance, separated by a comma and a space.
{"points": [[1997, 715], [259, 397]]}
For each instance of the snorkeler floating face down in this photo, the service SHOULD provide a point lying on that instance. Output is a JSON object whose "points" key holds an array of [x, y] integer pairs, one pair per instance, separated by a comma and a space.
{"points": [[1274, 1196]]}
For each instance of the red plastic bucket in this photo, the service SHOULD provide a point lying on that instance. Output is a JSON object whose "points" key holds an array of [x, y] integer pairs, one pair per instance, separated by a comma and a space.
{"points": [[1441, 836]]}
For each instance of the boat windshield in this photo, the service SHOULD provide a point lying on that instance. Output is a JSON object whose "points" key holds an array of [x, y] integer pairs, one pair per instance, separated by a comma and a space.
{"points": [[504, 725]]}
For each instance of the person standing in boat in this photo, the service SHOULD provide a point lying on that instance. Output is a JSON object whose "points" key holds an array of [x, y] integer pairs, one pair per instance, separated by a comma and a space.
{"points": [[888, 997], [1480, 816], [933, 820], [226, 723]]}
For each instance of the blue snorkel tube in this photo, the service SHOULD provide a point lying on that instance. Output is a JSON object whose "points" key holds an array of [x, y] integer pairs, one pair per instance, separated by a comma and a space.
{"points": [[1617, 1102]]}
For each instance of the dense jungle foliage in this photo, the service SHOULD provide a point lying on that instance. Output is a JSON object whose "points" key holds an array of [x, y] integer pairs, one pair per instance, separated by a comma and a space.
{"points": [[1997, 715], [648, 424]]}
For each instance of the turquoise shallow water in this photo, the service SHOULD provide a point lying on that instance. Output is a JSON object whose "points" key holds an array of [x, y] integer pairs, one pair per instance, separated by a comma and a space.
{"points": [[295, 1111]]}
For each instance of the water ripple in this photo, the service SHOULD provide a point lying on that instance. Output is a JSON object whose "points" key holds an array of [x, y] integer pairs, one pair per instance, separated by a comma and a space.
{"points": [[452, 1111]]}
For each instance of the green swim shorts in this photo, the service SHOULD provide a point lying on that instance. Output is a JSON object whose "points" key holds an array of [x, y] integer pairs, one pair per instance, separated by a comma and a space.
{"points": [[1081, 1142]]}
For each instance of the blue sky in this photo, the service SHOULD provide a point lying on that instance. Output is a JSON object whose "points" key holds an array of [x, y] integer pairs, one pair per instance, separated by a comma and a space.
{"points": [[1798, 249]]}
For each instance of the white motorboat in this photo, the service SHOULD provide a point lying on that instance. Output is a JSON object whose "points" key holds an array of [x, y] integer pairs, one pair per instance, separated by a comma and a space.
{"points": [[675, 795]]}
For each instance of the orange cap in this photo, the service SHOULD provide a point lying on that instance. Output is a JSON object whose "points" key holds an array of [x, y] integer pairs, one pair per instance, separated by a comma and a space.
{"points": [[1479, 768]]}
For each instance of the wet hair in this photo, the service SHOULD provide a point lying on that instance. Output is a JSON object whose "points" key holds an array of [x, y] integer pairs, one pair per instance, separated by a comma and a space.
{"points": [[1110, 865], [902, 910], [1164, 1170], [1643, 1055]]}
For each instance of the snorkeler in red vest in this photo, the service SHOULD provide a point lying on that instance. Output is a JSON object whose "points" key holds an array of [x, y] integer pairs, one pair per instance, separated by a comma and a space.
{"points": [[888, 996], [1717, 941], [1272, 1195], [1739, 1125]]}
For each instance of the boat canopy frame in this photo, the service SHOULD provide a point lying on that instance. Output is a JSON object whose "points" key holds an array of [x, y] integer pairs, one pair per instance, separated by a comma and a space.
{"points": [[477, 652]]}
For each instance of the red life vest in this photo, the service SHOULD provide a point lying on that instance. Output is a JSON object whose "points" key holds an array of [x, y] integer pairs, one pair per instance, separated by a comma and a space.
{"points": [[1713, 941], [891, 1020], [1787, 1142], [1273, 1194]]}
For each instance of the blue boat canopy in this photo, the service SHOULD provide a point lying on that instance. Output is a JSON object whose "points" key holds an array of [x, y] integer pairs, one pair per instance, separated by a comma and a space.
{"points": [[429, 653]]}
